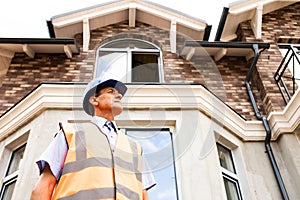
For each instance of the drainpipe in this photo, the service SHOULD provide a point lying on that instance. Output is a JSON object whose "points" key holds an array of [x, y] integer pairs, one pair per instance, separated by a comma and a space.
{"points": [[221, 24], [51, 29], [207, 33], [265, 124]]}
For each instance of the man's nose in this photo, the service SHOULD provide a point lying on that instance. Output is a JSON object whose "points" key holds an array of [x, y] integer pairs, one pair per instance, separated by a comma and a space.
{"points": [[119, 96]]}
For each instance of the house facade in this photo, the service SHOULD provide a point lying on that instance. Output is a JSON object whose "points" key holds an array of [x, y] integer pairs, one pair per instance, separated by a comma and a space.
{"points": [[216, 120]]}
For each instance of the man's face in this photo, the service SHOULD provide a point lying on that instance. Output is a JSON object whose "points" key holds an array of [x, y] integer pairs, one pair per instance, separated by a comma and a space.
{"points": [[109, 101]]}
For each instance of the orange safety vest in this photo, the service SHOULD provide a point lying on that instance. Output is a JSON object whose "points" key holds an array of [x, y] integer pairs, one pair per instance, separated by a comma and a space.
{"points": [[92, 171]]}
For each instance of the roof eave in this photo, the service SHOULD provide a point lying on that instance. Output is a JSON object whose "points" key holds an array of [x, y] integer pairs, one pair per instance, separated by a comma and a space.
{"points": [[39, 45], [218, 50], [246, 10], [69, 24]]}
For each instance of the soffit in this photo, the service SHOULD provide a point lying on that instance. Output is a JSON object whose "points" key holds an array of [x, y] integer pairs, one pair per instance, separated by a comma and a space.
{"points": [[39, 48], [218, 50], [212, 51], [43, 45], [246, 10], [69, 24]]}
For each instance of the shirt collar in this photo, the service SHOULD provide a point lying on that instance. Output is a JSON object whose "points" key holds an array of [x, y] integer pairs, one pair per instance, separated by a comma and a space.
{"points": [[100, 121]]}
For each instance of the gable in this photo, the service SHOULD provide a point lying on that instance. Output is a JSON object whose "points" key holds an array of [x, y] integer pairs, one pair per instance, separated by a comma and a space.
{"points": [[132, 11]]}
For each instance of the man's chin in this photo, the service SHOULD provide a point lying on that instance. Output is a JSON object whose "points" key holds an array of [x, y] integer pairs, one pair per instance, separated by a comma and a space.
{"points": [[117, 111]]}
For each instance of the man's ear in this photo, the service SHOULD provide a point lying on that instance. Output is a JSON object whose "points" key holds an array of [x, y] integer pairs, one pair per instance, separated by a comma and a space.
{"points": [[93, 101]]}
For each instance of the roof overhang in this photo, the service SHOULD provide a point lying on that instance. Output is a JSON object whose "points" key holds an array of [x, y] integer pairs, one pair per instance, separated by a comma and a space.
{"points": [[91, 18], [218, 50], [39, 45], [31, 46], [247, 10]]}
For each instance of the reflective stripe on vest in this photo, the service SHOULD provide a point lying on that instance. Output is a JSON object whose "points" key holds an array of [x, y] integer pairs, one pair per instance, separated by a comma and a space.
{"points": [[91, 171]]}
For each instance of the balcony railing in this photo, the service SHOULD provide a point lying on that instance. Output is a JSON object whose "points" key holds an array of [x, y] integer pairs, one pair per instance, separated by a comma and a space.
{"points": [[287, 76]]}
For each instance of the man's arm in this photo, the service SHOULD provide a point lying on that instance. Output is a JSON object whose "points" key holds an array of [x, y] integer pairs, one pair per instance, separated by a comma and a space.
{"points": [[145, 195], [45, 185]]}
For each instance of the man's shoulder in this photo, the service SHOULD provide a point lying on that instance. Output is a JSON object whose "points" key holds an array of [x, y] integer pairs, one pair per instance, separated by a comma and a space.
{"points": [[67, 127], [73, 126]]}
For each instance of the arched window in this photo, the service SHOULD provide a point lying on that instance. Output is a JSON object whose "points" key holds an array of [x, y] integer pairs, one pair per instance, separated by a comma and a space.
{"points": [[129, 60]]}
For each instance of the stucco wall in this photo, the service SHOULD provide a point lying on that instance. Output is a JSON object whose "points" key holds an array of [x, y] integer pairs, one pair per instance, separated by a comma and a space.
{"points": [[197, 165], [40, 132], [289, 149]]}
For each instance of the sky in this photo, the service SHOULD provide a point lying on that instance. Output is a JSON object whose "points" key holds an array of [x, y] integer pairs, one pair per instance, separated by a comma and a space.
{"points": [[157, 149], [27, 19]]}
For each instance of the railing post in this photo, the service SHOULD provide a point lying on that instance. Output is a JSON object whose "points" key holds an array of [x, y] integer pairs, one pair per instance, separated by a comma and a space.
{"points": [[279, 74]]}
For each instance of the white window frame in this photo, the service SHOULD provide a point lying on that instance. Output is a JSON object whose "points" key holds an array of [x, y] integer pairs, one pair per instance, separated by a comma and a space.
{"points": [[10, 178], [129, 51], [227, 174]]}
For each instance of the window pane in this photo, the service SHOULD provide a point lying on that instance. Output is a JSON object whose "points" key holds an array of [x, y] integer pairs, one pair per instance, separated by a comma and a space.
{"points": [[129, 60], [158, 151], [8, 190], [145, 68], [231, 188], [112, 64], [16, 159], [225, 158]]}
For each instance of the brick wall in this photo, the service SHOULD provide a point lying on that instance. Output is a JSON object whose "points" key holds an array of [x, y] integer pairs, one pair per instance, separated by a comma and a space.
{"points": [[283, 23], [25, 73], [224, 78]]}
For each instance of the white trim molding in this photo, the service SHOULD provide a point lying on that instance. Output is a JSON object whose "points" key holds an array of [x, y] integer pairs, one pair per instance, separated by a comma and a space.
{"points": [[154, 97], [288, 120]]}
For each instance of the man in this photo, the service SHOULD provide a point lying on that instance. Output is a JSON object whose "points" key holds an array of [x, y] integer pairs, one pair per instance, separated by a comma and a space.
{"points": [[94, 160]]}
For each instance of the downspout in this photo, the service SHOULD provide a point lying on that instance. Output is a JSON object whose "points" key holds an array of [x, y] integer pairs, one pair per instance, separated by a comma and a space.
{"points": [[51, 29], [207, 33], [265, 124], [221, 24]]}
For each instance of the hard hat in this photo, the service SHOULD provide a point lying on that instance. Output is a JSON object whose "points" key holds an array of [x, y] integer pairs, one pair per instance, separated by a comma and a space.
{"points": [[95, 86]]}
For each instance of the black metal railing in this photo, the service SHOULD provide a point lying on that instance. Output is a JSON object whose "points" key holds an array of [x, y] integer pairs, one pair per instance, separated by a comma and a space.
{"points": [[289, 70]]}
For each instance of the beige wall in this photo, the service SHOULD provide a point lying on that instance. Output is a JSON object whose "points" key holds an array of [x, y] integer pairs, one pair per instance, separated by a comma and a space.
{"points": [[40, 132], [289, 148]]}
